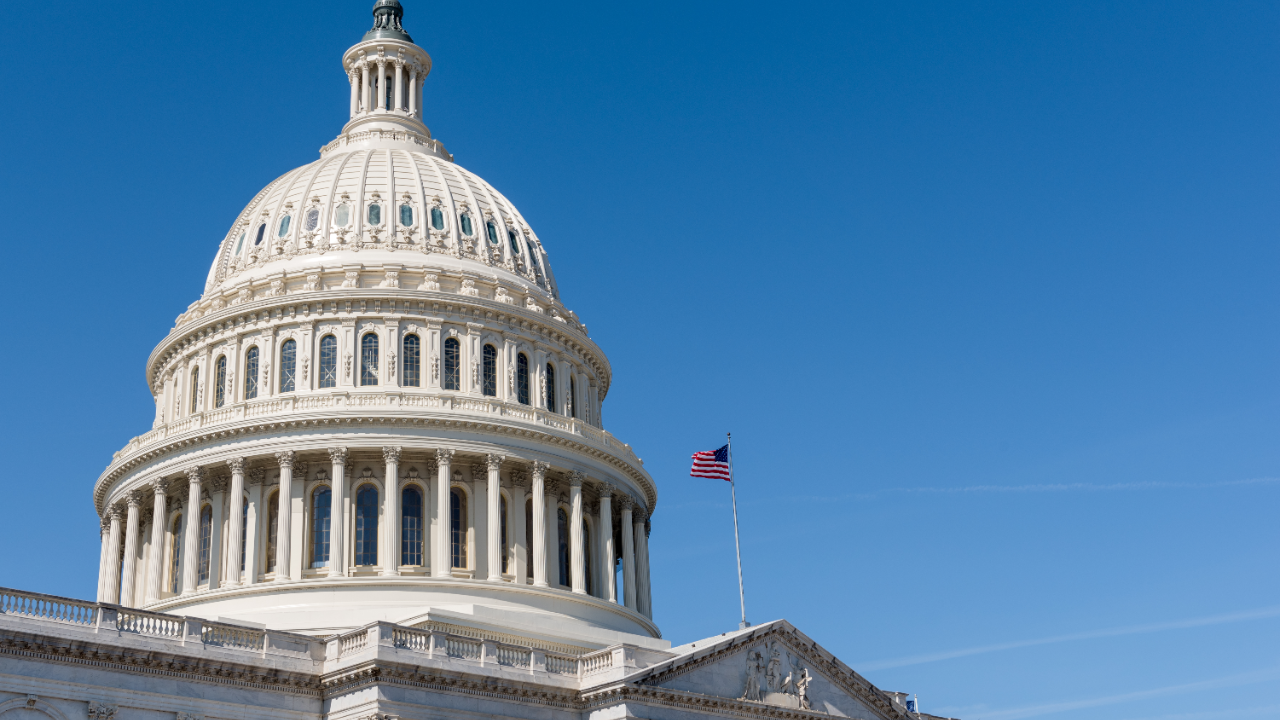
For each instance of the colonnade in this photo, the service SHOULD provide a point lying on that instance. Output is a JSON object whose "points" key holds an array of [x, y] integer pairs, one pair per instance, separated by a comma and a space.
{"points": [[242, 550], [369, 77]]}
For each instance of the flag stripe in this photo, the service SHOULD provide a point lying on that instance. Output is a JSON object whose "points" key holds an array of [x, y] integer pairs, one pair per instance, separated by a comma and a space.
{"points": [[712, 464]]}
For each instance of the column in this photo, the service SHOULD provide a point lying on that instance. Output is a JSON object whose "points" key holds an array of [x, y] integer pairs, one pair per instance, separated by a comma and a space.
{"points": [[382, 85], [337, 516], [111, 593], [495, 517], [399, 86], [642, 561], [155, 562], [520, 553], [606, 543], [284, 514], [628, 553], [251, 552], [191, 538], [539, 523], [554, 488], [355, 91], [480, 521], [364, 86], [128, 575], [577, 558], [391, 511], [102, 559], [442, 562], [235, 525], [216, 564], [413, 90]]}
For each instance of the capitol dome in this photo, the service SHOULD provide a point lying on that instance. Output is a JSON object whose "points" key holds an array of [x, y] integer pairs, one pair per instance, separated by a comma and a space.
{"points": [[379, 409]]}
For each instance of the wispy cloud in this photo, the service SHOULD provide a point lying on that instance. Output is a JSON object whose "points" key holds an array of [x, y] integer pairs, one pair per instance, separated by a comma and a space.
{"points": [[1243, 616], [1050, 708]]}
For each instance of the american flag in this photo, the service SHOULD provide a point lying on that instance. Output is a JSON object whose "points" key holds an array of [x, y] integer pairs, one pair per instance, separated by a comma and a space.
{"points": [[712, 464]]}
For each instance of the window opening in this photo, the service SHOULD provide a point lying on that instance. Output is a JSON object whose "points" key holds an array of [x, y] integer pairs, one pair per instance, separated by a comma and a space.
{"points": [[328, 361], [369, 359], [452, 363]]}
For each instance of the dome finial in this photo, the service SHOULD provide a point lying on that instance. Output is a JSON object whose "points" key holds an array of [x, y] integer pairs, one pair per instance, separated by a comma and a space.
{"points": [[386, 22]]}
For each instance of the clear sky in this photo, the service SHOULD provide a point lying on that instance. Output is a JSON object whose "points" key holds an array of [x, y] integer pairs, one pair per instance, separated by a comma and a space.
{"points": [[986, 293]]}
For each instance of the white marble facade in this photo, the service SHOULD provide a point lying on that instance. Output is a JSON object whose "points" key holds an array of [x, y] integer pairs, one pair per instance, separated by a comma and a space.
{"points": [[378, 483]]}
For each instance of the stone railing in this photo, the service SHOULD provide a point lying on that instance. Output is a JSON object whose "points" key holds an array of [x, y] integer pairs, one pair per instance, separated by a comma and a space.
{"points": [[47, 607], [394, 400]]}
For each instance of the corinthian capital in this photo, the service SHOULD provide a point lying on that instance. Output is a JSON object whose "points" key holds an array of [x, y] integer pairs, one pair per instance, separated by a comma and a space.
{"points": [[604, 489], [391, 454], [338, 455], [195, 474], [539, 469], [625, 501], [519, 479], [575, 479], [444, 457], [236, 464], [159, 487], [494, 461], [639, 514], [286, 458]]}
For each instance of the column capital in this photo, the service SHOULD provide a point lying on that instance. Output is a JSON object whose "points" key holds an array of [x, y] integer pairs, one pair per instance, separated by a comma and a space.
{"points": [[195, 474], [134, 499], [286, 458], [575, 479], [494, 461], [338, 455], [444, 456], [391, 454], [625, 502], [115, 512], [519, 479], [639, 514], [479, 471], [604, 489], [236, 464], [539, 469], [159, 486], [256, 476], [553, 488]]}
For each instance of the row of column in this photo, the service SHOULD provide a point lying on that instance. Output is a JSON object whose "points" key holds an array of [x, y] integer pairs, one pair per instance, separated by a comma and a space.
{"points": [[369, 94], [119, 570]]}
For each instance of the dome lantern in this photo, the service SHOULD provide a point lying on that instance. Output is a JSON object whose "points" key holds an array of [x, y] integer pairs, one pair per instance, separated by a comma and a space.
{"points": [[386, 71], [386, 22]]}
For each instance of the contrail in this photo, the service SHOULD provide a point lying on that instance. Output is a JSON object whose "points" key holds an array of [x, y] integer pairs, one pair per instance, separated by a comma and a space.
{"points": [[1258, 614], [1051, 708]]}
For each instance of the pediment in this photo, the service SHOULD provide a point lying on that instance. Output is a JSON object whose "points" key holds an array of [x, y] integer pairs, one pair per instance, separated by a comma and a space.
{"points": [[776, 668]]}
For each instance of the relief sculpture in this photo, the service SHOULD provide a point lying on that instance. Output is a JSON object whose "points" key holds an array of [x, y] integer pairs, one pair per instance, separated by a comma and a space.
{"points": [[768, 682]]}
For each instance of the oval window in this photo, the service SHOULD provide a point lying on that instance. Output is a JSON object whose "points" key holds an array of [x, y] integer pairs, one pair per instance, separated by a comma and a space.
{"points": [[240, 243], [375, 214], [406, 215], [493, 233], [437, 218], [342, 216], [511, 239], [466, 224], [284, 225], [313, 220], [262, 229]]}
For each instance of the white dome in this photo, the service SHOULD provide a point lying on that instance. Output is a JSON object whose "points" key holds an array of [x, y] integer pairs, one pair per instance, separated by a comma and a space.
{"points": [[350, 206]]}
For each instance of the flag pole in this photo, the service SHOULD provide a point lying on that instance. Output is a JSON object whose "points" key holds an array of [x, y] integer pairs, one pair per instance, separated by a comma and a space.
{"points": [[733, 493]]}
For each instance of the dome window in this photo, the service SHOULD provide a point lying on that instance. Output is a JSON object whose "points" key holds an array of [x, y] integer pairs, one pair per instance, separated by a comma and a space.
{"points": [[406, 215], [437, 218], [313, 220], [513, 242], [262, 229], [492, 230], [284, 225], [240, 242], [465, 221], [375, 214], [342, 215]]}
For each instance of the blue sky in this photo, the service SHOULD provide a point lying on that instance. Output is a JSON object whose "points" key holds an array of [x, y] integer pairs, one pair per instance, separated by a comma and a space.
{"points": [[986, 293]]}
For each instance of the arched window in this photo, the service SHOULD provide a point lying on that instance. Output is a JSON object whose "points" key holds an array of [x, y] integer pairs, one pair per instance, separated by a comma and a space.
{"points": [[206, 541], [528, 539], [490, 386], [465, 222], [493, 232], [369, 359], [452, 363], [515, 244], [522, 379], [412, 360], [175, 556], [284, 225], [220, 382], [262, 230], [502, 533], [244, 531], [288, 365], [367, 525], [411, 526], [551, 388], [342, 215], [312, 220], [328, 361], [239, 244], [562, 535], [320, 505], [458, 528], [406, 215], [375, 214], [251, 373], [437, 218], [194, 407], [573, 398], [273, 527]]}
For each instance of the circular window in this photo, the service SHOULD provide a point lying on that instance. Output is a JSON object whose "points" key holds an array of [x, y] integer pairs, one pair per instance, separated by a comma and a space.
{"points": [[313, 220], [466, 224], [515, 245], [437, 218], [375, 214], [284, 225], [262, 230], [406, 215], [493, 233], [342, 216]]}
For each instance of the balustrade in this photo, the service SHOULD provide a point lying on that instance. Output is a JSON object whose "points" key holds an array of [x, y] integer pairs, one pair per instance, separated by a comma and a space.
{"points": [[45, 607], [153, 624], [232, 637]]}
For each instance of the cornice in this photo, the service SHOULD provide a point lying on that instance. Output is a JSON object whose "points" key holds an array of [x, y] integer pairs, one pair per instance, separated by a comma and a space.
{"points": [[380, 671]]}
